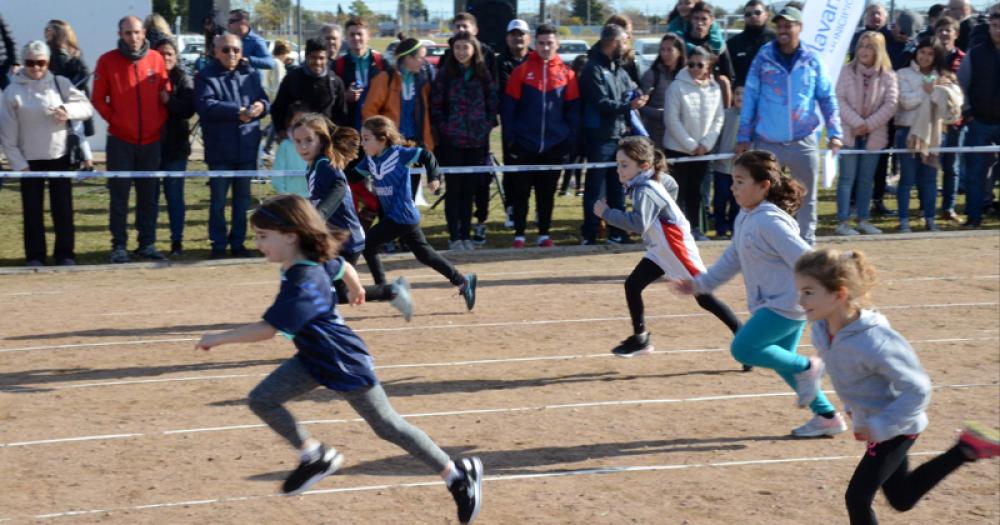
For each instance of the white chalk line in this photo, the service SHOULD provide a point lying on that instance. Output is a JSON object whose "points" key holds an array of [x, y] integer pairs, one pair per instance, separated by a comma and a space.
{"points": [[478, 411], [536, 322], [595, 471], [565, 357]]}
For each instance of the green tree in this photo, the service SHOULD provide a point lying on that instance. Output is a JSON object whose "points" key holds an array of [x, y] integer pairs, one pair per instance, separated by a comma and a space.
{"points": [[590, 11], [360, 9]]}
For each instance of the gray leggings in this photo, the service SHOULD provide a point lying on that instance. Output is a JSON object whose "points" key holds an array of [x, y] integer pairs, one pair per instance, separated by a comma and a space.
{"points": [[291, 380]]}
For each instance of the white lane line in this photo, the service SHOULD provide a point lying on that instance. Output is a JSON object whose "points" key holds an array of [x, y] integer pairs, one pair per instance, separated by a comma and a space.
{"points": [[595, 471], [536, 322], [566, 357], [500, 410]]}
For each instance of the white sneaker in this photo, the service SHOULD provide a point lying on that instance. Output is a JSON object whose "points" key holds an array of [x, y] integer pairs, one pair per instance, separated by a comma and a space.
{"points": [[821, 426], [456, 246], [845, 229], [809, 381], [469, 244], [401, 298], [868, 228]]}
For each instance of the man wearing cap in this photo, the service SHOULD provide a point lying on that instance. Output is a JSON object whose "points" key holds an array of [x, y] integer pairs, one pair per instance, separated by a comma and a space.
{"points": [[314, 85], [784, 84], [512, 55]]}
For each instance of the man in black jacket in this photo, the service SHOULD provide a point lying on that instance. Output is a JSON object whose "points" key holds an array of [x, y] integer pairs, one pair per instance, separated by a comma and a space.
{"points": [[314, 85], [744, 46]]}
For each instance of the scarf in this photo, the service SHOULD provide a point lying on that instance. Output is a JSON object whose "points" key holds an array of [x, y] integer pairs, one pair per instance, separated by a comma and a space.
{"points": [[133, 55], [870, 82], [943, 106]]}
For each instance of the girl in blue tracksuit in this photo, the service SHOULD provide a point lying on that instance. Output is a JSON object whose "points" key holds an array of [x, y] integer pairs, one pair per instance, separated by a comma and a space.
{"points": [[387, 166], [764, 248], [877, 375], [290, 232], [327, 148]]}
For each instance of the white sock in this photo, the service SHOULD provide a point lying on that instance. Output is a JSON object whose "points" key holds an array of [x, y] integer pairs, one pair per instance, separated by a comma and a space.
{"points": [[519, 238], [453, 476], [542, 238], [311, 451]]}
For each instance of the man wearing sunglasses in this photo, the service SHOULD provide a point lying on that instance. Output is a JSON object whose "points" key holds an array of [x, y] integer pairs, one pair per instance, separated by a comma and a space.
{"points": [[230, 102], [254, 46], [744, 46]]}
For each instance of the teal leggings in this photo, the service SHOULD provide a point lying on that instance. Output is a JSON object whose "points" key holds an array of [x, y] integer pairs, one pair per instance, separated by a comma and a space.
{"points": [[770, 340]]}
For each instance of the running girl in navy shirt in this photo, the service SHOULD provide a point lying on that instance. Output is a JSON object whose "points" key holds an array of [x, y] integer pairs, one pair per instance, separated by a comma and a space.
{"points": [[387, 164], [327, 148], [290, 232]]}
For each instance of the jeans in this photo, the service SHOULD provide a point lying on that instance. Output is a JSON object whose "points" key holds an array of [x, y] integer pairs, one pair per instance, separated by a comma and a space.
{"points": [[950, 164], [123, 156], [60, 207], [724, 206], [976, 167], [802, 160], [860, 168], [173, 191], [219, 189], [912, 169], [598, 183]]}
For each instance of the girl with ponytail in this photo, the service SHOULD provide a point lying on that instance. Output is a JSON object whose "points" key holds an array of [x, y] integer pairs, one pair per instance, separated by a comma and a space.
{"points": [[765, 246]]}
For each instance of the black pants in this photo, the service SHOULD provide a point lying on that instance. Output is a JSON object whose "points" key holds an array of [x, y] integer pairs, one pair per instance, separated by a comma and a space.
{"points": [[885, 465], [411, 234], [544, 183], [123, 156], [378, 292], [60, 206], [644, 274], [689, 176], [461, 189]]}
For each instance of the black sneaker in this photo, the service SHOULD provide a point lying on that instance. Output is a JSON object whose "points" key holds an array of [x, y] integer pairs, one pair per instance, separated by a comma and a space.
{"points": [[150, 252], [879, 210], [241, 252], [468, 491], [176, 249], [119, 255], [747, 368], [468, 290], [637, 344], [217, 254], [310, 472], [479, 234]]}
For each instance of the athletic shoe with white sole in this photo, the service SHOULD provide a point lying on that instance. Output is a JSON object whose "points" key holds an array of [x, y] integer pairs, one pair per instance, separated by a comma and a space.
{"points": [[468, 290], [845, 229], [636, 344], [981, 441], [468, 491], [401, 299], [809, 381], [308, 473], [821, 426]]}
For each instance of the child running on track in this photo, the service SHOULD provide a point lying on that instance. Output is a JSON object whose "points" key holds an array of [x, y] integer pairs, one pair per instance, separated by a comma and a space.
{"points": [[327, 148], [879, 378], [670, 248], [764, 248], [291, 233], [387, 162]]}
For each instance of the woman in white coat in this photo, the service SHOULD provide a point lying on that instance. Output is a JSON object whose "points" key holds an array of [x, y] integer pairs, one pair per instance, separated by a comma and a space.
{"points": [[34, 112], [693, 115]]}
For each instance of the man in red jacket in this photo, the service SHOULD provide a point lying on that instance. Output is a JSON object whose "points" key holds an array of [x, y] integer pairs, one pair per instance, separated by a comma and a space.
{"points": [[131, 89]]}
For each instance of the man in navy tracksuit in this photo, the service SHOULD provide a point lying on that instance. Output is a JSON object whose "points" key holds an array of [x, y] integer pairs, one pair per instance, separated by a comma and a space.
{"points": [[541, 112], [230, 102]]}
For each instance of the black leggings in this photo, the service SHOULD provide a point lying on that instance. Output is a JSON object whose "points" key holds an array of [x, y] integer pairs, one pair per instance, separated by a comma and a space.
{"points": [[411, 234], [885, 465], [378, 292], [648, 271]]}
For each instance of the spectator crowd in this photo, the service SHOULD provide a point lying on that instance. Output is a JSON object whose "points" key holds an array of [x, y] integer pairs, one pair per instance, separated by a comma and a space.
{"points": [[908, 83]]}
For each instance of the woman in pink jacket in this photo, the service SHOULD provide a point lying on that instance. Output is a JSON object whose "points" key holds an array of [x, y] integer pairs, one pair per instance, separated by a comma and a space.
{"points": [[867, 93]]}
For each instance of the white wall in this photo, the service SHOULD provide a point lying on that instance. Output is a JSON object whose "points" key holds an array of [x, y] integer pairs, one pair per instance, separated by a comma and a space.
{"points": [[95, 23]]}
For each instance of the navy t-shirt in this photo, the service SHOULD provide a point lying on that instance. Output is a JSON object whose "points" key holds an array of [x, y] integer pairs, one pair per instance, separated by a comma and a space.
{"points": [[305, 312], [390, 175], [320, 180]]}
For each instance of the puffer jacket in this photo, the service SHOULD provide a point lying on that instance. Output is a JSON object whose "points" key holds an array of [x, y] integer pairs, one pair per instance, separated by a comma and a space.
{"points": [[693, 114], [385, 97], [780, 106], [463, 110], [604, 92], [884, 93], [911, 94], [219, 95]]}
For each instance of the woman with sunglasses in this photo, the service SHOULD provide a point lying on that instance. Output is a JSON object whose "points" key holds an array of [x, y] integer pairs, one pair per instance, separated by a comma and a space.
{"points": [[693, 116], [36, 107]]}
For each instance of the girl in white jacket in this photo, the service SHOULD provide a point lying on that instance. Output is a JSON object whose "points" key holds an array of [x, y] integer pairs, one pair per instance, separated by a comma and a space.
{"points": [[879, 378], [693, 115]]}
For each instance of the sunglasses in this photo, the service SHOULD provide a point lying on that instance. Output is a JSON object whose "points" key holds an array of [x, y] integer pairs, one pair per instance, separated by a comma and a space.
{"points": [[36, 63], [229, 50], [753, 13], [697, 65]]}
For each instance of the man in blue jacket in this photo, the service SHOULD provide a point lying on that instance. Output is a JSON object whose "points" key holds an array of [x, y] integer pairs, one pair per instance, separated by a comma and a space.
{"points": [[255, 50], [230, 102], [784, 84], [541, 113], [606, 92]]}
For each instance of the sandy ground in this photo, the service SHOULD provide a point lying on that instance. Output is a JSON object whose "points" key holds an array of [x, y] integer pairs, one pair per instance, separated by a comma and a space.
{"points": [[107, 414]]}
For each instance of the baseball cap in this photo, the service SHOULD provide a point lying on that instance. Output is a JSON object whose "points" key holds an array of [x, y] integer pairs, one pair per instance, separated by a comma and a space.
{"points": [[518, 25], [792, 14]]}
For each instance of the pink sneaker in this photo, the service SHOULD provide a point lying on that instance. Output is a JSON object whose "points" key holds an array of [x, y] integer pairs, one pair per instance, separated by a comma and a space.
{"points": [[545, 243], [984, 442], [518, 243], [821, 426]]}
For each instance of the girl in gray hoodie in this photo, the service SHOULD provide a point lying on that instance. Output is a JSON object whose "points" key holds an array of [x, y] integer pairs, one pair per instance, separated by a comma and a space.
{"points": [[880, 380], [765, 246]]}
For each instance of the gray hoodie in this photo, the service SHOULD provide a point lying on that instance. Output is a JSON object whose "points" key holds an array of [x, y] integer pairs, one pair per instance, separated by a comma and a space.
{"points": [[765, 246], [877, 375]]}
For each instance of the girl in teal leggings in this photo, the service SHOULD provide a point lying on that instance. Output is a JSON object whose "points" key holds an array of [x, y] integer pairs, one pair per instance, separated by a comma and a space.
{"points": [[764, 248]]}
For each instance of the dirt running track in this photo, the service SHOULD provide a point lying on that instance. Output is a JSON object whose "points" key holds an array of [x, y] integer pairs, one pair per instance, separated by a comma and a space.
{"points": [[108, 415]]}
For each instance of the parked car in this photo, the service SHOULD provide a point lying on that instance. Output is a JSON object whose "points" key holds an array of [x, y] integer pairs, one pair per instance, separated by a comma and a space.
{"points": [[434, 54], [646, 50], [570, 49]]}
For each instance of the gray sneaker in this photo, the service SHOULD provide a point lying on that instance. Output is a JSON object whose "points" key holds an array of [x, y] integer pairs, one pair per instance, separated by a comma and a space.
{"points": [[456, 246], [150, 252], [469, 244], [868, 228], [845, 229], [119, 255], [401, 299]]}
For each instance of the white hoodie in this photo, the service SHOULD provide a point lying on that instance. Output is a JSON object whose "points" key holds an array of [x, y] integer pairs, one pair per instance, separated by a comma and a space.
{"points": [[28, 130], [693, 114]]}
